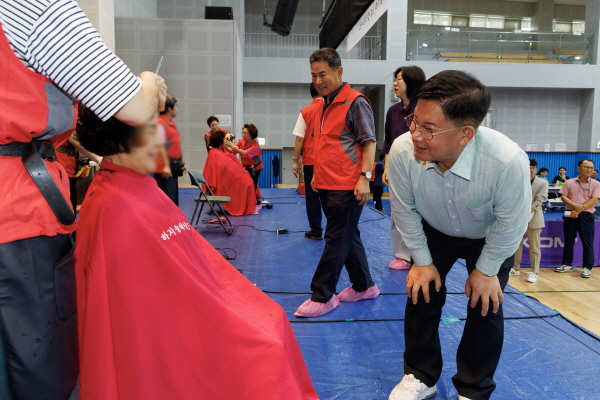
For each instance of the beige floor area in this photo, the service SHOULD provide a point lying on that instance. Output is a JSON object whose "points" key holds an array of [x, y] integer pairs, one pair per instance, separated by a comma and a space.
{"points": [[575, 297]]}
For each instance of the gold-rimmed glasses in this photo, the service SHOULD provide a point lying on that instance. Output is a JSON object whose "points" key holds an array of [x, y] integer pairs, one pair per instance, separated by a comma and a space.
{"points": [[425, 131]]}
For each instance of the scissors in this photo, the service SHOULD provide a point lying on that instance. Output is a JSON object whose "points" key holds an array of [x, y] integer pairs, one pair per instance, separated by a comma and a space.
{"points": [[159, 64]]}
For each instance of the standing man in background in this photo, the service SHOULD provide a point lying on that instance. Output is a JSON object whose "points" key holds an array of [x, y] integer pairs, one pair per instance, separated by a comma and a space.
{"points": [[539, 194], [460, 191], [44, 73], [305, 141], [168, 179], [580, 195], [344, 154]]}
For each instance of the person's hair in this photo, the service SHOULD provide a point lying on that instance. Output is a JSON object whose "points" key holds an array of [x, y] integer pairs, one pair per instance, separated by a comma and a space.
{"points": [[313, 91], [412, 76], [381, 156], [595, 170], [532, 162], [329, 55], [543, 170], [216, 139], [169, 104], [252, 130], [104, 137], [582, 161], [565, 168], [463, 99], [211, 119]]}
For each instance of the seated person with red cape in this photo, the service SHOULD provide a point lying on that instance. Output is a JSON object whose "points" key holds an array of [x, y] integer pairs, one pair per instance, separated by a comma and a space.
{"points": [[162, 315], [226, 177]]}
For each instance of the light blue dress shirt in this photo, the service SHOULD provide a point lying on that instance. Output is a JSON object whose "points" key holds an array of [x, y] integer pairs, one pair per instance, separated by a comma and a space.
{"points": [[486, 194]]}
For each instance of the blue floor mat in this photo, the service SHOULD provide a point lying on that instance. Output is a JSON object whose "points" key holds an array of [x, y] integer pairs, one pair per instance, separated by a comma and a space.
{"points": [[545, 356]]}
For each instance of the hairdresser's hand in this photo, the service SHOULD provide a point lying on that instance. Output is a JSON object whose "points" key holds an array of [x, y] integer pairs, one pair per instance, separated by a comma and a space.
{"points": [[167, 172], [419, 278], [312, 184]]}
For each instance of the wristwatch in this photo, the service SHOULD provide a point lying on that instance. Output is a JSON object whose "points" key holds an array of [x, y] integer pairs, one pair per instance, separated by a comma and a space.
{"points": [[366, 175]]}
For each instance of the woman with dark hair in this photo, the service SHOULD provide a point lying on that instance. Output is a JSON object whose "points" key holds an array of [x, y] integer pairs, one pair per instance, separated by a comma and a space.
{"points": [[162, 315], [225, 177], [251, 153], [406, 81], [213, 124]]}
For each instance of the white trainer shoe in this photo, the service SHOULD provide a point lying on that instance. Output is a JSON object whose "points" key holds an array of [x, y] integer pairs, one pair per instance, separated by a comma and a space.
{"points": [[515, 271], [463, 398], [532, 278], [410, 388]]}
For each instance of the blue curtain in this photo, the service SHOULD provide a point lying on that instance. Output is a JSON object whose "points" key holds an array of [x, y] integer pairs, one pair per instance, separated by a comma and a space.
{"points": [[266, 178], [553, 160]]}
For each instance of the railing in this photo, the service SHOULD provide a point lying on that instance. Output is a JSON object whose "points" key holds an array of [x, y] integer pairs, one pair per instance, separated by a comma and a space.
{"points": [[303, 45], [458, 44]]}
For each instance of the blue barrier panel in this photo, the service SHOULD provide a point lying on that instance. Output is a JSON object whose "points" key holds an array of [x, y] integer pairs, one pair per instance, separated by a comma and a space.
{"points": [[266, 178]]}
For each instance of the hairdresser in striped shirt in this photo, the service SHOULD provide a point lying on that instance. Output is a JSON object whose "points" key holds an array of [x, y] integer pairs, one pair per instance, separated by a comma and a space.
{"points": [[51, 57]]}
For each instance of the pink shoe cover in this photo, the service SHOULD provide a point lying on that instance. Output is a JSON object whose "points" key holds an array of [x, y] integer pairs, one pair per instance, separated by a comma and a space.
{"points": [[399, 263], [313, 309], [350, 294], [255, 211]]}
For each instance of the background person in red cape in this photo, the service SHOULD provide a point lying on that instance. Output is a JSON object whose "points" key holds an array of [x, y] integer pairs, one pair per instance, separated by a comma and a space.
{"points": [[228, 178], [162, 315]]}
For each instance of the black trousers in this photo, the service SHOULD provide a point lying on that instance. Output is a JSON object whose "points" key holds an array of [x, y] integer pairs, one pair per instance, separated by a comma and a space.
{"points": [[170, 186], [313, 203], [584, 225], [254, 174], [343, 246], [481, 344], [377, 193], [37, 317]]}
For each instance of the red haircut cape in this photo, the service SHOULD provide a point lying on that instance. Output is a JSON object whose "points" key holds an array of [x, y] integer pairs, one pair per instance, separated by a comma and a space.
{"points": [[162, 315], [228, 178]]}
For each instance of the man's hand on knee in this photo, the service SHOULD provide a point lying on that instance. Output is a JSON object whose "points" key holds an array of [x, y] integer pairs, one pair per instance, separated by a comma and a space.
{"points": [[419, 277], [486, 288]]}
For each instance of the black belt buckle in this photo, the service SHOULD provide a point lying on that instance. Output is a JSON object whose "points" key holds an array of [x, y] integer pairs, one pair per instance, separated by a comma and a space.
{"points": [[45, 150]]}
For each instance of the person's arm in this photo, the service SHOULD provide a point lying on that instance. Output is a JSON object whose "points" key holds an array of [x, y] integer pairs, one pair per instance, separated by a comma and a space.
{"points": [[75, 142], [362, 189], [540, 197], [146, 102], [387, 142], [297, 147], [166, 172]]}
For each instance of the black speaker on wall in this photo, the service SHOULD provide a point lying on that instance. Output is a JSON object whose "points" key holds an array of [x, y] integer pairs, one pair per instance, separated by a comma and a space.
{"points": [[284, 16], [218, 12]]}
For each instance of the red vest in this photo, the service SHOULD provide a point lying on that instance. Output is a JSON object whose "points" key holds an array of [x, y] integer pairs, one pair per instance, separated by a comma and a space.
{"points": [[252, 149], [311, 117], [338, 157], [32, 107]]}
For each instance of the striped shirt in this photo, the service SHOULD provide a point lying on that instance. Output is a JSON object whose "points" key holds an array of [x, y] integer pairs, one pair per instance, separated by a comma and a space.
{"points": [[54, 38]]}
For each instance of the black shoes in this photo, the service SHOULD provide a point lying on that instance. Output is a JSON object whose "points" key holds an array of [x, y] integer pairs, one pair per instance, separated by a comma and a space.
{"points": [[310, 235]]}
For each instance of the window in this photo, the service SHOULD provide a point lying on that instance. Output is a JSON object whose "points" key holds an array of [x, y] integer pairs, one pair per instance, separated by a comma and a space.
{"points": [[423, 19], [513, 24], [477, 21], [442, 19], [578, 26], [526, 24], [460, 20], [495, 23]]}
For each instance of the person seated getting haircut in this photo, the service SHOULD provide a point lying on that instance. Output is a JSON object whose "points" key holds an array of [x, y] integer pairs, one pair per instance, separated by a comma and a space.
{"points": [[162, 315], [228, 178]]}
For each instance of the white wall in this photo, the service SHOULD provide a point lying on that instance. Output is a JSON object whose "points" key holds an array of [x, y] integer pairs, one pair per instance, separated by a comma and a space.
{"points": [[135, 8]]}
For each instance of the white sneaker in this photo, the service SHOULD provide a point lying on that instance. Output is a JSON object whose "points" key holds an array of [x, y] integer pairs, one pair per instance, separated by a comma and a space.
{"points": [[515, 271], [586, 273], [463, 398], [532, 278], [410, 388]]}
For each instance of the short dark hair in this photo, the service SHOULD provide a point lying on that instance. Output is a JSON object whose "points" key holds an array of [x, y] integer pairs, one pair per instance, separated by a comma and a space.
{"points": [[413, 76], [532, 162], [252, 130], [582, 161], [313, 91], [170, 103], [104, 138], [463, 99], [211, 119], [329, 55], [595, 170], [565, 168], [543, 170], [216, 139], [381, 156]]}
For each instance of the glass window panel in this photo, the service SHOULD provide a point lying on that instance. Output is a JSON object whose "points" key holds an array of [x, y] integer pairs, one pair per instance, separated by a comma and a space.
{"points": [[442, 19], [460, 21], [495, 23], [561, 27], [526, 24], [477, 22], [579, 27], [423, 19], [512, 24]]}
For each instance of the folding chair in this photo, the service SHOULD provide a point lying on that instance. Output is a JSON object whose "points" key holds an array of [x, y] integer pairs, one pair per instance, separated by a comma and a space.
{"points": [[207, 197]]}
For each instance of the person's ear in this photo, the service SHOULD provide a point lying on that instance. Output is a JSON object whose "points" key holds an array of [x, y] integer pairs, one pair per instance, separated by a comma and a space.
{"points": [[340, 71], [467, 132]]}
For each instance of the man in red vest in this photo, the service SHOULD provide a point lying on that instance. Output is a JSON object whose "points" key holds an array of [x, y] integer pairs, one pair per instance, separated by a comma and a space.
{"points": [[167, 177], [344, 152]]}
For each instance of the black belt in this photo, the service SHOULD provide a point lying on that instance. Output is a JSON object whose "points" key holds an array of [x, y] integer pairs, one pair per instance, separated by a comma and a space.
{"points": [[31, 154]]}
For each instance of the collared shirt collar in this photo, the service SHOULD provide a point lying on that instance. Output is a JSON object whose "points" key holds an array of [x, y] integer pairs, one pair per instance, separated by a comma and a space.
{"points": [[462, 166], [329, 99]]}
